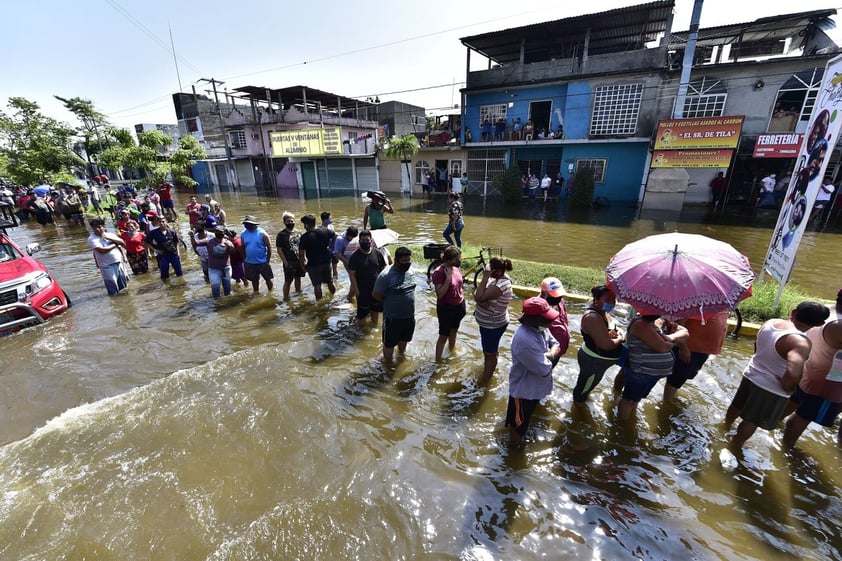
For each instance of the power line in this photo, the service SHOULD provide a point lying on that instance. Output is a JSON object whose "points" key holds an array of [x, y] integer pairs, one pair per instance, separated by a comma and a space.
{"points": [[149, 33]]}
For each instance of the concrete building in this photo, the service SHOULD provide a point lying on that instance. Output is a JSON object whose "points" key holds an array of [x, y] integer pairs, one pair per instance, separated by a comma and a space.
{"points": [[170, 130], [590, 91], [286, 140]]}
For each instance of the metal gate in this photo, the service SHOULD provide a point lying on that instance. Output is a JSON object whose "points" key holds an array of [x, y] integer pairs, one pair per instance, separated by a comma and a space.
{"points": [[483, 167]]}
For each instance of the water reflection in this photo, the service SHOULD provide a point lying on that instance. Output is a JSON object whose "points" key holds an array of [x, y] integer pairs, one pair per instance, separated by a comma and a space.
{"points": [[252, 428]]}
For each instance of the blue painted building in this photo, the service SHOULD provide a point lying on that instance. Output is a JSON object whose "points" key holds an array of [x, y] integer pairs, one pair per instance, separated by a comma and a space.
{"points": [[588, 91]]}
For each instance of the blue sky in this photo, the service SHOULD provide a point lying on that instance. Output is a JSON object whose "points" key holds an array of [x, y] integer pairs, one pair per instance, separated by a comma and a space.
{"points": [[117, 52]]}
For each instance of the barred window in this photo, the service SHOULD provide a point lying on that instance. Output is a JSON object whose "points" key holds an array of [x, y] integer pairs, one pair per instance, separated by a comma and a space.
{"points": [[705, 98], [597, 165], [492, 112], [237, 138], [615, 109]]}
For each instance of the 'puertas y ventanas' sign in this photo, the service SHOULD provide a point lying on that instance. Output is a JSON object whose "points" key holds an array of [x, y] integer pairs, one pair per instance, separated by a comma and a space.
{"points": [[307, 143]]}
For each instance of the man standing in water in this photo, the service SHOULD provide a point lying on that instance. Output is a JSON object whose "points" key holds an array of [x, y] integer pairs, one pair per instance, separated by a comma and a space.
{"points": [[364, 266], [287, 244], [773, 372], [257, 249], [314, 254], [395, 288]]}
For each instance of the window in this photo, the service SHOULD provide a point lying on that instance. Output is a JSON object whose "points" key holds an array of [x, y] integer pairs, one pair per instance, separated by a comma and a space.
{"points": [[705, 98], [455, 168], [615, 109], [492, 112], [420, 168], [795, 101], [237, 138], [597, 165]]}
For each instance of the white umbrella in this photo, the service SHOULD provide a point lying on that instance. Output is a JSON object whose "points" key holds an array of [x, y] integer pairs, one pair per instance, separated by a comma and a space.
{"points": [[379, 238]]}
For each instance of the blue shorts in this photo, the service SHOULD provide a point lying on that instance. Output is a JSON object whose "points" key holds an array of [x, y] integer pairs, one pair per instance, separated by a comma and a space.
{"points": [[490, 338], [637, 385], [168, 204], [815, 408], [683, 371]]}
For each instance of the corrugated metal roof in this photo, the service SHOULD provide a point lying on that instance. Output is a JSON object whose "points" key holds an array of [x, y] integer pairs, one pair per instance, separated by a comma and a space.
{"points": [[612, 31], [295, 94], [766, 30]]}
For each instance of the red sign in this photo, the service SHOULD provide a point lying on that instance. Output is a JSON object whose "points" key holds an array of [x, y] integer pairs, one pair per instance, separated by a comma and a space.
{"points": [[780, 145]]}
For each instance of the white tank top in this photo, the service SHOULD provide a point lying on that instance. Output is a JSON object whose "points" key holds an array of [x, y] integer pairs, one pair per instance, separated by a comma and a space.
{"points": [[766, 368]]}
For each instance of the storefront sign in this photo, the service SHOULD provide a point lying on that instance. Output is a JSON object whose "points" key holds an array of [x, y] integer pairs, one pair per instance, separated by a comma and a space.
{"points": [[691, 158], [708, 132], [307, 143], [778, 145]]}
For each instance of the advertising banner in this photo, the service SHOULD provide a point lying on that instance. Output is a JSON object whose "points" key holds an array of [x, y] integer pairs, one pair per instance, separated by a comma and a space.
{"points": [[307, 143], [822, 132], [691, 158], [707, 132], [778, 145]]}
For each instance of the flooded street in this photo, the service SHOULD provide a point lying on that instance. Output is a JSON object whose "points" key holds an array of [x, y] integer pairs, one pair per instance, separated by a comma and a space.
{"points": [[161, 424]]}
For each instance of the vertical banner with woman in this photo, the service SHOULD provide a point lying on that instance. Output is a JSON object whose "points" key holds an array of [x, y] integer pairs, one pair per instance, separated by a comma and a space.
{"points": [[819, 141]]}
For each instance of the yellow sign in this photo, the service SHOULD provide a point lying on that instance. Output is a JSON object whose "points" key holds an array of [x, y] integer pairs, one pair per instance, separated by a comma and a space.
{"points": [[691, 158], [307, 143], [707, 133]]}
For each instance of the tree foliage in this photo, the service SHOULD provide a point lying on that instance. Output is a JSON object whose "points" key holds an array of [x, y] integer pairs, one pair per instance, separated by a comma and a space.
{"points": [[94, 126], [583, 188], [35, 145], [149, 154], [403, 148], [509, 184]]}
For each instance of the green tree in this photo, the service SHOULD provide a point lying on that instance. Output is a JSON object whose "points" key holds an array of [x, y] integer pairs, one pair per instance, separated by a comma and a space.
{"points": [[37, 146], [509, 184], [403, 148], [583, 187], [94, 125], [149, 155]]}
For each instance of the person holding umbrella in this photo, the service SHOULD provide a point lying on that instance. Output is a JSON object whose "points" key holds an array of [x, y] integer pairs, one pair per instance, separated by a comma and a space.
{"points": [[651, 341]]}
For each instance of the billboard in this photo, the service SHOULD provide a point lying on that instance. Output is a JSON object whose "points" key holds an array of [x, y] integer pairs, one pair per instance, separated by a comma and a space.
{"points": [[706, 132], [307, 143], [781, 145], [818, 143]]}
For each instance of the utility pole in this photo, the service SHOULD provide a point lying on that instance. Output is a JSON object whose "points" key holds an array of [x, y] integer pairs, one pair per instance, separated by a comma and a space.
{"points": [[235, 184]]}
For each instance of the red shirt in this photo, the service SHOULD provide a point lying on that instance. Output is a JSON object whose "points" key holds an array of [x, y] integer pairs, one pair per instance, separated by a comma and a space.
{"points": [[194, 211], [134, 244], [165, 192]]}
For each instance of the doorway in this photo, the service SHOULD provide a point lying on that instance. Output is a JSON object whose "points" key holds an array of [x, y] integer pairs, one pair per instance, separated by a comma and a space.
{"points": [[539, 114]]}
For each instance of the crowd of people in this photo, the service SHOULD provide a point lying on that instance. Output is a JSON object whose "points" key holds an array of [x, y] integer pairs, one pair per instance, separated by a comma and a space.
{"points": [[796, 371]]}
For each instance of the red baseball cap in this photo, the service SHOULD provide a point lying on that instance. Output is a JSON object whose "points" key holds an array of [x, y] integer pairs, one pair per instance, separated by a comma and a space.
{"points": [[537, 306]]}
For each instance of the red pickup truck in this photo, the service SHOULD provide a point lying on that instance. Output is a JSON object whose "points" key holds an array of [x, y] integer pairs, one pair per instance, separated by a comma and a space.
{"points": [[28, 292]]}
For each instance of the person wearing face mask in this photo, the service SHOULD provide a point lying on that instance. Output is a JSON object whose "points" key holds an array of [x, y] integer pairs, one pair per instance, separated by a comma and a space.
{"points": [[287, 244], [395, 288], [257, 250], [602, 342], [375, 211], [450, 301], [706, 338], [553, 292], [492, 296], [314, 254], [364, 265], [534, 355]]}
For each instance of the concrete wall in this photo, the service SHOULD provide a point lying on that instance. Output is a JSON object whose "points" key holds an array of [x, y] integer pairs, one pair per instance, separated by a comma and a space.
{"points": [[624, 168]]}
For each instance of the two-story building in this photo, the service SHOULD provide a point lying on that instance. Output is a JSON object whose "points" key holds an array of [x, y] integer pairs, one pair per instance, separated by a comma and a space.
{"points": [[283, 140], [590, 91]]}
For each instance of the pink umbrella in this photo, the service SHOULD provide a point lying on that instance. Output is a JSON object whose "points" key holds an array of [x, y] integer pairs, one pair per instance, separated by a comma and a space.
{"points": [[680, 276]]}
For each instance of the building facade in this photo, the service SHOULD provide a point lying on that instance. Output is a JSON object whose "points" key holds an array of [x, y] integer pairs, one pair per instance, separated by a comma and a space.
{"points": [[591, 90]]}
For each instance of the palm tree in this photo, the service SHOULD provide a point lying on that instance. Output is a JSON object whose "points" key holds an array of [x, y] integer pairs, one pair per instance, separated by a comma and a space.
{"points": [[403, 148]]}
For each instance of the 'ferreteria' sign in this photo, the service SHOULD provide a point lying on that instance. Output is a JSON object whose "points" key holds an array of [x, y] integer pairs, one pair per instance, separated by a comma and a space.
{"points": [[307, 143]]}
